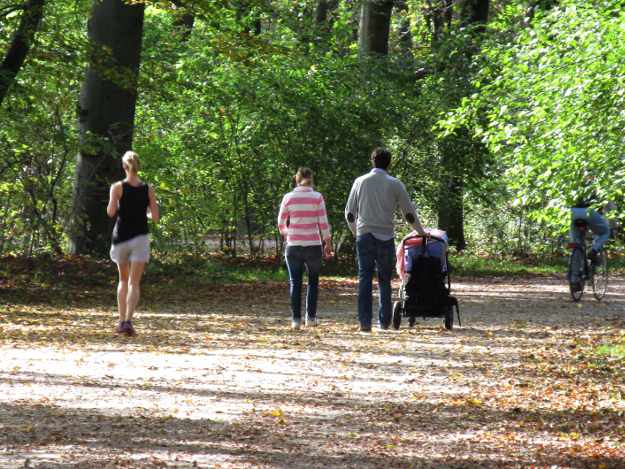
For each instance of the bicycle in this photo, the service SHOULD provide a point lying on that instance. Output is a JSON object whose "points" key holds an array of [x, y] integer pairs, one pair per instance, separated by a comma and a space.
{"points": [[582, 270]]}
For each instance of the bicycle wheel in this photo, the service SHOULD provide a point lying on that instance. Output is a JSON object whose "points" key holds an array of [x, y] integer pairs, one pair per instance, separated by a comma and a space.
{"points": [[576, 274], [600, 277]]}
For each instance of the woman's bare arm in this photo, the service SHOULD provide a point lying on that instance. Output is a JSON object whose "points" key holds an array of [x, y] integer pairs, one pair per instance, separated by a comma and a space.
{"points": [[153, 205], [114, 196]]}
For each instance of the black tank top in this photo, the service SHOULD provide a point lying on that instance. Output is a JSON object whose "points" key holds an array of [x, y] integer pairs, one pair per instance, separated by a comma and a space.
{"points": [[132, 218]]}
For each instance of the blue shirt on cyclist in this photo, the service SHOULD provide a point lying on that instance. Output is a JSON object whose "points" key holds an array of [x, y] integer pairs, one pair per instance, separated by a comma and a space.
{"points": [[595, 220]]}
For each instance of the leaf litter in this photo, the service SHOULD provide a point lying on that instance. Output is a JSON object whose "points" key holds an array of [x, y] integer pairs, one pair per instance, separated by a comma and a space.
{"points": [[215, 378]]}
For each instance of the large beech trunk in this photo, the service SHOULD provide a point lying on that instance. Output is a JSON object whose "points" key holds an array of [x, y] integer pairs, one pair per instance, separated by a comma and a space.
{"points": [[106, 113]]}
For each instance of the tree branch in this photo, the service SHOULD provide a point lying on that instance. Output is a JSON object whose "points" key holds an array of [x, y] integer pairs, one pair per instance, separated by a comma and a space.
{"points": [[22, 40]]}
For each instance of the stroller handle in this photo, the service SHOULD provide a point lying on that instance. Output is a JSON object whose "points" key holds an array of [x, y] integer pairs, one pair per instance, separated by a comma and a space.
{"points": [[436, 238]]}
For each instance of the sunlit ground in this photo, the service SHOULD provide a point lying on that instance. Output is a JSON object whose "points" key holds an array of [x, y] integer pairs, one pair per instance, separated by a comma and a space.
{"points": [[215, 378]]}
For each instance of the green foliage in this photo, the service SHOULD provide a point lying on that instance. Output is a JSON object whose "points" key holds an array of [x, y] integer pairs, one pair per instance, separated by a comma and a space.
{"points": [[235, 123], [549, 104], [37, 133], [522, 113]]}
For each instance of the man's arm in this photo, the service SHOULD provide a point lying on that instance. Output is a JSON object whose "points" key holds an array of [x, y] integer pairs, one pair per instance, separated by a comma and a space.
{"points": [[351, 209], [408, 210]]}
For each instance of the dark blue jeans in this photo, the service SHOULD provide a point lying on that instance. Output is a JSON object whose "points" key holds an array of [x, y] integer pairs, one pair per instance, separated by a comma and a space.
{"points": [[598, 225], [298, 258], [372, 254]]}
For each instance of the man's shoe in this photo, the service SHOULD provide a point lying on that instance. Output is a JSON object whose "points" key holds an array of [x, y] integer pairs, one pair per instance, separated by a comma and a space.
{"points": [[296, 324], [365, 328], [311, 322]]}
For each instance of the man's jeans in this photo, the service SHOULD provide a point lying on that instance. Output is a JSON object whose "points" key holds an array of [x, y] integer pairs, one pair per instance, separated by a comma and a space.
{"points": [[596, 222], [374, 253], [298, 258]]}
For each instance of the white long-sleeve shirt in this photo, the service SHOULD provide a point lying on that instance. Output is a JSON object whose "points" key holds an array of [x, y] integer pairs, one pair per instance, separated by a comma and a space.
{"points": [[372, 203]]}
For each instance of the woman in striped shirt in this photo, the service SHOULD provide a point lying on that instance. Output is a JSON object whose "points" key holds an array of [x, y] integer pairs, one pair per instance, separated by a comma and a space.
{"points": [[303, 222]]}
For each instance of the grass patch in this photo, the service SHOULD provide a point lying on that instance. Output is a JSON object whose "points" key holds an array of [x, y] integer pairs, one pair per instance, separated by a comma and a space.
{"points": [[47, 272], [613, 350], [219, 269], [471, 265]]}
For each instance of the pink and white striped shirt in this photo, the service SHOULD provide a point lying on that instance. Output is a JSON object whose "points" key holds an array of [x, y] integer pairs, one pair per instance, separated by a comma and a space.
{"points": [[305, 211]]}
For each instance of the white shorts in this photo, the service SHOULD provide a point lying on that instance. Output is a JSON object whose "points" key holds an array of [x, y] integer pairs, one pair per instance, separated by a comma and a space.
{"points": [[136, 249]]}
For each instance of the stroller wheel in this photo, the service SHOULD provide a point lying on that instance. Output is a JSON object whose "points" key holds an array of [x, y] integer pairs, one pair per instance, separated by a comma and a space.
{"points": [[449, 318], [397, 312]]}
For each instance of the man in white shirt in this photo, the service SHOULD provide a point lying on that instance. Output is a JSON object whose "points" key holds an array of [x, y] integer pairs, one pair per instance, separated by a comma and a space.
{"points": [[370, 212]]}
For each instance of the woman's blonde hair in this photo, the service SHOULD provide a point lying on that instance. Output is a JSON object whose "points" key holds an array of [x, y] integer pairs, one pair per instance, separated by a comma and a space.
{"points": [[130, 160], [304, 177]]}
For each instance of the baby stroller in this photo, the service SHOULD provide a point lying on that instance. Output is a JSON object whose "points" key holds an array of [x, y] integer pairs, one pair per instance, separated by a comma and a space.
{"points": [[423, 266]]}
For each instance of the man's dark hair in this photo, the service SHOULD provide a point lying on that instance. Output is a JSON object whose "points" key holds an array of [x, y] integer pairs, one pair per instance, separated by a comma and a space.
{"points": [[381, 158]]}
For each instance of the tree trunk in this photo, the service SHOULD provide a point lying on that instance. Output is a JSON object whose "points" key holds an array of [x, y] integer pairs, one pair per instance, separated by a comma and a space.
{"points": [[405, 35], [106, 112], [323, 20], [450, 207], [322, 12], [475, 13], [248, 218], [20, 45], [184, 20], [439, 14], [375, 25]]}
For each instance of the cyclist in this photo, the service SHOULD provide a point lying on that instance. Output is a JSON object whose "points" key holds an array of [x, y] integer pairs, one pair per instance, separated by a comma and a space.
{"points": [[596, 221]]}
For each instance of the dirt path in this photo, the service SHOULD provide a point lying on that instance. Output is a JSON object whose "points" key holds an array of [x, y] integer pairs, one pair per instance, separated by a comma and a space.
{"points": [[216, 379]]}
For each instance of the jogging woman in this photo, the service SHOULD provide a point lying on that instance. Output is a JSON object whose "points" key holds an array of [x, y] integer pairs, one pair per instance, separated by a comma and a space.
{"points": [[303, 221], [131, 201]]}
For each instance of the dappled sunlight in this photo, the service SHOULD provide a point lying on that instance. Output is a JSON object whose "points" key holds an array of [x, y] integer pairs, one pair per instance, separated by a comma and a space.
{"points": [[214, 381]]}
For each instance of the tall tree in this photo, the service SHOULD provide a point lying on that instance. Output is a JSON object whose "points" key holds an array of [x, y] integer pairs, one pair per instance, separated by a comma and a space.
{"points": [[457, 149], [405, 35], [106, 112], [184, 19], [20, 45], [438, 14], [323, 19], [375, 25], [323, 10], [474, 13]]}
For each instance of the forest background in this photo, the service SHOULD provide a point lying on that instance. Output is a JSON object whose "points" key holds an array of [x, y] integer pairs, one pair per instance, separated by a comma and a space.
{"points": [[499, 115]]}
